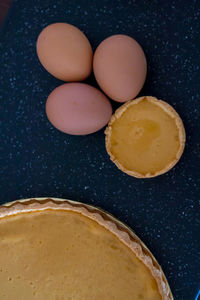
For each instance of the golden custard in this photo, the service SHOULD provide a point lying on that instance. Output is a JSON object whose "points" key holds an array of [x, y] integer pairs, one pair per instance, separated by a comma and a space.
{"points": [[65, 253], [145, 137]]}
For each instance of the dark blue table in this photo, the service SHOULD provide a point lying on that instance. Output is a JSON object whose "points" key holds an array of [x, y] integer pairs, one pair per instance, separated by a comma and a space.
{"points": [[38, 160]]}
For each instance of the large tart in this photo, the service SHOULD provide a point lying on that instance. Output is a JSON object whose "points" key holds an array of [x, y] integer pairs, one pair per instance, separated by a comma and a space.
{"points": [[145, 137], [63, 250]]}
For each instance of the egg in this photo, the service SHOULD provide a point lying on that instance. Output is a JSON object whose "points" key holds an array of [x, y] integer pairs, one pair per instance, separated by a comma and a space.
{"points": [[65, 52], [120, 67], [78, 108]]}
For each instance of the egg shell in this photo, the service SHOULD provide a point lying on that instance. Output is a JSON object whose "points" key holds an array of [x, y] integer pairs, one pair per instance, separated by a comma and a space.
{"points": [[65, 52], [78, 109], [120, 67]]}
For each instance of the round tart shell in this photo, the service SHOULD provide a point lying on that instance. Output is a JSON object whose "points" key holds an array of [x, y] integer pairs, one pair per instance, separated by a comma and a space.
{"points": [[165, 107], [124, 233]]}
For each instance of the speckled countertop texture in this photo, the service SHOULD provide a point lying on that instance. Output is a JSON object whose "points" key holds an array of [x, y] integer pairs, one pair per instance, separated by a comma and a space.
{"points": [[38, 160]]}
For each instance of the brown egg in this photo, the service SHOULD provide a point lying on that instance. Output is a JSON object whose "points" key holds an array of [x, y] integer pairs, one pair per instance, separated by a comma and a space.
{"points": [[120, 67], [78, 108], [65, 52]]}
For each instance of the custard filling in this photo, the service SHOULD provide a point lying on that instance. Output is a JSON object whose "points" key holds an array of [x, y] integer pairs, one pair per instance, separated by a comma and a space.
{"points": [[145, 138], [59, 255]]}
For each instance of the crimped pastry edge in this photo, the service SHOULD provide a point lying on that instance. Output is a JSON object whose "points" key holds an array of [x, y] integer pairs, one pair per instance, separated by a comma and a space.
{"points": [[120, 230], [168, 109]]}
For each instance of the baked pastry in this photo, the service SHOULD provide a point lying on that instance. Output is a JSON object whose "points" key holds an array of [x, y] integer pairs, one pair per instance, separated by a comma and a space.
{"points": [[54, 249], [145, 137]]}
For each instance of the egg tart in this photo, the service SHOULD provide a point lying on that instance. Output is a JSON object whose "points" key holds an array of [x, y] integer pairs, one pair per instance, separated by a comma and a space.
{"points": [[60, 249], [145, 137]]}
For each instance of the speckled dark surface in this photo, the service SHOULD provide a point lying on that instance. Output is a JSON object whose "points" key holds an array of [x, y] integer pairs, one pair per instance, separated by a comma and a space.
{"points": [[38, 160]]}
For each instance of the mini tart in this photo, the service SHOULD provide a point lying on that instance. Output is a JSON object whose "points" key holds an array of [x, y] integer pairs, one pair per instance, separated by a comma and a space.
{"points": [[60, 249], [145, 137]]}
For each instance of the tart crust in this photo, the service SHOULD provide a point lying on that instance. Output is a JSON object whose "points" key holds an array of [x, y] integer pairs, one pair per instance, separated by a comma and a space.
{"points": [[124, 233], [170, 111]]}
